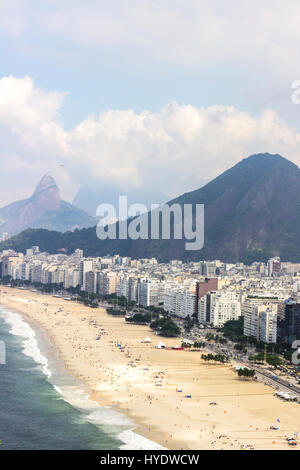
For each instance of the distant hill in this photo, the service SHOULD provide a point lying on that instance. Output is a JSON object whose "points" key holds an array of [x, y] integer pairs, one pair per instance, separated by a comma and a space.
{"points": [[251, 213], [89, 198], [44, 209]]}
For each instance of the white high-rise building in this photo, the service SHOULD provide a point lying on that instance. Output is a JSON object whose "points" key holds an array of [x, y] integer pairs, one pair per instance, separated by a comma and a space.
{"points": [[179, 300], [250, 313], [151, 293], [268, 325], [260, 320], [123, 289], [225, 306], [202, 309], [86, 266]]}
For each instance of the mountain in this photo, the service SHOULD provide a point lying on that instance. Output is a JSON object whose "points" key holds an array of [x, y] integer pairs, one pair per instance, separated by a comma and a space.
{"points": [[251, 213], [44, 209], [88, 198]]}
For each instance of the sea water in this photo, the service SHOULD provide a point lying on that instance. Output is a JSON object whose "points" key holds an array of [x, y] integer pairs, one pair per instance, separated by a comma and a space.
{"points": [[43, 407]]}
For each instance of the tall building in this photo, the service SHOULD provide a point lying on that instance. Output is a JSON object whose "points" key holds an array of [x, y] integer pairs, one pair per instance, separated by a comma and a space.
{"points": [[273, 266], [180, 301], [91, 282], [260, 319], [225, 307], [203, 287], [204, 309], [218, 307], [86, 266], [9, 261], [107, 283], [289, 322], [208, 268], [151, 293], [123, 287], [268, 325]]}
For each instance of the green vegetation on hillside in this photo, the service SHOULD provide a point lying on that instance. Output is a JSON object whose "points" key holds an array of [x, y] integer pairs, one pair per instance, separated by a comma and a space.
{"points": [[255, 233]]}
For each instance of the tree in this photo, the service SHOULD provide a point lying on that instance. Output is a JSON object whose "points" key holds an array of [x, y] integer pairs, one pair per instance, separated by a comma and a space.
{"points": [[222, 358], [199, 344], [140, 318], [166, 327], [272, 359], [246, 373], [240, 347], [188, 324]]}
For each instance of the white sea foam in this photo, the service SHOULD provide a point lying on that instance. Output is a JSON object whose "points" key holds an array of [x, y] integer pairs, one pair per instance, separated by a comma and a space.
{"points": [[104, 417], [109, 420], [30, 345], [135, 441]]}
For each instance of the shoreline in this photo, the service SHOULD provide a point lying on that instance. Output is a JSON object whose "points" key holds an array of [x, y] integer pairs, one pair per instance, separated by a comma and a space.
{"points": [[138, 428], [53, 356], [159, 413]]}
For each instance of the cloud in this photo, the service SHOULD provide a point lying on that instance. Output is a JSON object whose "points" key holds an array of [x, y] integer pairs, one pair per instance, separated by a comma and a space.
{"points": [[31, 138], [193, 32], [174, 150], [253, 46]]}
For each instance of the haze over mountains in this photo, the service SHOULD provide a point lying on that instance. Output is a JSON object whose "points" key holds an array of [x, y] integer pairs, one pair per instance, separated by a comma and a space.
{"points": [[252, 212], [88, 198], [44, 209]]}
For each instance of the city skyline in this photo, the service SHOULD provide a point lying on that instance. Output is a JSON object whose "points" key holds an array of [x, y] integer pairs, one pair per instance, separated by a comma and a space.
{"points": [[149, 228]]}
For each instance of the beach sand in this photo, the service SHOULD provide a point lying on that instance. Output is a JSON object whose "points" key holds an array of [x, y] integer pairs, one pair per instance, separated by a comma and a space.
{"points": [[141, 381]]}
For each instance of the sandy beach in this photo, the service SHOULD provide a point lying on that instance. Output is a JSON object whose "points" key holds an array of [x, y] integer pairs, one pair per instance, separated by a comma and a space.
{"points": [[143, 382]]}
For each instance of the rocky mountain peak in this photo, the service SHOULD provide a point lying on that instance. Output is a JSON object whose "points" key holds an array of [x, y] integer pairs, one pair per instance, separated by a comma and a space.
{"points": [[46, 183]]}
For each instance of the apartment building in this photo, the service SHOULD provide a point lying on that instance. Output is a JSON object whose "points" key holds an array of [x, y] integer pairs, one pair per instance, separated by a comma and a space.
{"points": [[225, 306], [86, 266], [179, 298], [91, 282], [250, 313], [107, 283], [8, 263], [260, 318], [151, 293], [268, 325], [289, 321]]}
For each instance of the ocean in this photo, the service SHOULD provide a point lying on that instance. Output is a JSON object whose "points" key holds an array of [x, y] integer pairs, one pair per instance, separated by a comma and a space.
{"points": [[42, 407]]}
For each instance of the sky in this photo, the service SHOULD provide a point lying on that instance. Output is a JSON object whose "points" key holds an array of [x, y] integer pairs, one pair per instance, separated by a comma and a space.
{"points": [[156, 94]]}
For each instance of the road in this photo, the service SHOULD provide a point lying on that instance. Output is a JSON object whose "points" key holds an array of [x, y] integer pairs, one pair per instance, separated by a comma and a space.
{"points": [[278, 381]]}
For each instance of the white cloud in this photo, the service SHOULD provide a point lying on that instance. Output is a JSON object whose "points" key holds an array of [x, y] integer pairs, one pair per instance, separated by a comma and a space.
{"points": [[196, 32], [256, 42], [174, 150]]}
